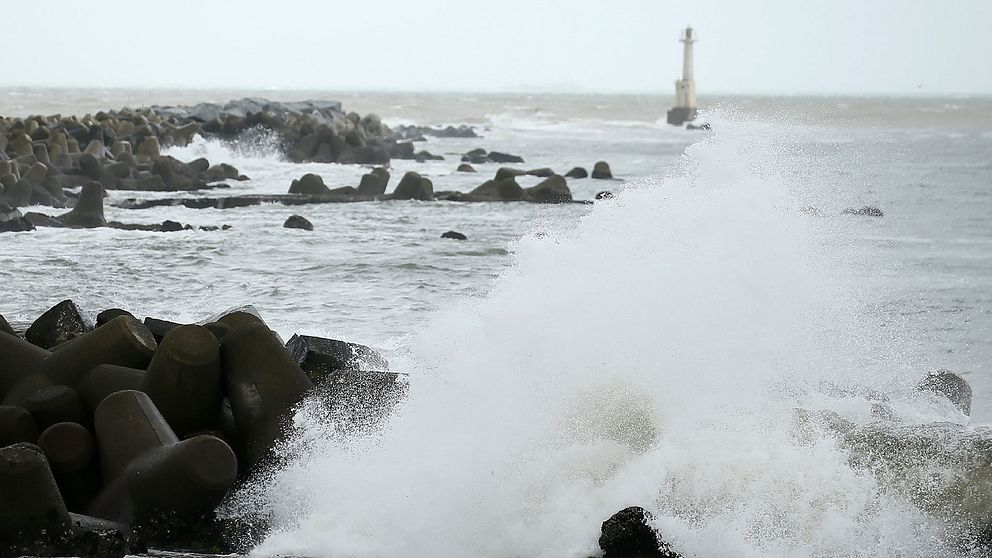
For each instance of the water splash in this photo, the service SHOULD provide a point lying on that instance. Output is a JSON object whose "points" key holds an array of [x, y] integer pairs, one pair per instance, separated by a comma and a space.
{"points": [[654, 354]]}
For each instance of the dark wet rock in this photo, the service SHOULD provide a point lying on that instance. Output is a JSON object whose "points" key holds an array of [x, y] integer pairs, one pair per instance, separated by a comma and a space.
{"points": [[605, 195], [454, 235], [298, 222], [42, 220], [109, 314], [422, 156], [31, 507], [414, 187], [497, 157], [577, 172], [627, 534], [601, 170], [318, 356], [309, 184], [465, 167], [550, 190], [866, 211], [60, 323], [374, 183], [19, 224], [950, 385], [88, 211], [476, 157], [159, 328], [417, 133]]}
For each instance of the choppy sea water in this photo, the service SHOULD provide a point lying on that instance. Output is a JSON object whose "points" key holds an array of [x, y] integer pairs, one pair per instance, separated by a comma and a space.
{"points": [[698, 302]]}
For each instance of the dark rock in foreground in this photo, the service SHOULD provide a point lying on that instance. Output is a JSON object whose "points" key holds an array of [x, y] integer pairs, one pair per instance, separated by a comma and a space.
{"points": [[627, 535], [63, 322], [298, 222], [414, 187]]}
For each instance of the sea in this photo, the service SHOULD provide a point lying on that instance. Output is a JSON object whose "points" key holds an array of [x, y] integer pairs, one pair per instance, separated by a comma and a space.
{"points": [[566, 361]]}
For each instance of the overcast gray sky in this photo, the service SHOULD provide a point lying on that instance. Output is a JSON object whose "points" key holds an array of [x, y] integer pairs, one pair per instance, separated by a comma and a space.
{"points": [[770, 46]]}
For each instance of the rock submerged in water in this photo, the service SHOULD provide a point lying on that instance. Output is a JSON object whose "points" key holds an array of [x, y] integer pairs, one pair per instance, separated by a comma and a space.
{"points": [[454, 235], [298, 222], [465, 167], [627, 534], [309, 184], [414, 187], [601, 171], [577, 172], [866, 211]]}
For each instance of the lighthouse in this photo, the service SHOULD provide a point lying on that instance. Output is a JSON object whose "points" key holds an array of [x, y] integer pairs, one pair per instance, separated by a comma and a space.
{"points": [[685, 88]]}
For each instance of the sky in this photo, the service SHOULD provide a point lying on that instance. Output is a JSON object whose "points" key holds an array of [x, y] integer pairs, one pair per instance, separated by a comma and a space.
{"points": [[617, 46]]}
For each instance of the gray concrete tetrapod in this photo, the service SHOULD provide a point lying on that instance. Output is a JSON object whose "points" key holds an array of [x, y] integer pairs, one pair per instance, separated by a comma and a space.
{"points": [[263, 384], [89, 208], [54, 404], [31, 507], [123, 341], [105, 379], [184, 381], [17, 425], [128, 425], [72, 455], [20, 359]]}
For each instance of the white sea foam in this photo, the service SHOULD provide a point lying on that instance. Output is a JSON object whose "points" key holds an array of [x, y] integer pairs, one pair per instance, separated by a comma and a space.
{"points": [[652, 355]]}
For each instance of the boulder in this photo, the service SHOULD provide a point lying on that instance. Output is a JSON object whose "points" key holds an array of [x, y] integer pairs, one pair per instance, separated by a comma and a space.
{"points": [[60, 323], [110, 314], [465, 167], [298, 222], [54, 404], [627, 534], [72, 454], [497, 157], [318, 357], [309, 184], [5, 327], [414, 187], [454, 235], [577, 172], [550, 190], [105, 379], [88, 212], [601, 170]]}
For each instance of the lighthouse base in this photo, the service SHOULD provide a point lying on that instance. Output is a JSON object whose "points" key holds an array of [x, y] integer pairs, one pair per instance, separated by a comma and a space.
{"points": [[680, 115]]}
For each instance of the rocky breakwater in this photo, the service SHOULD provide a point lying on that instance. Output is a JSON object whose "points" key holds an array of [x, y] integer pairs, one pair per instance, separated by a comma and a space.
{"points": [[124, 434], [308, 131]]}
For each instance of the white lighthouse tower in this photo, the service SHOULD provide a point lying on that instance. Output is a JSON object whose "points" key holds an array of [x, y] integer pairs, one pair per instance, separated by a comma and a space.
{"points": [[685, 88]]}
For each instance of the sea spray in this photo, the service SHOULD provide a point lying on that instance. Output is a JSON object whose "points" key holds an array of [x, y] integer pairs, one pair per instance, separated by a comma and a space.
{"points": [[663, 353]]}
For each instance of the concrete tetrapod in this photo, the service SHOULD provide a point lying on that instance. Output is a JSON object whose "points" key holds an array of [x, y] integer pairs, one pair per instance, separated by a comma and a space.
{"points": [[20, 359], [72, 455], [153, 479], [123, 341], [263, 384], [31, 507], [105, 379], [183, 379]]}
